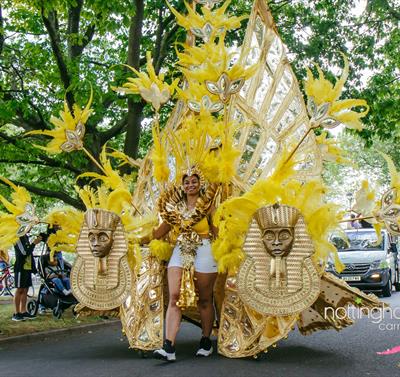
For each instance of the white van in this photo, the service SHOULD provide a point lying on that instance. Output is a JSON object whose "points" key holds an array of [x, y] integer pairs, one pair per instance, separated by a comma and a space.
{"points": [[367, 266]]}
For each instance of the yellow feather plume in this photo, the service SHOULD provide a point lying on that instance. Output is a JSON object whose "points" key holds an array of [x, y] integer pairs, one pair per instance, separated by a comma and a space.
{"points": [[160, 249], [216, 18], [9, 226], [323, 91], [159, 156], [70, 221], [111, 178], [68, 121], [134, 256], [233, 218], [151, 87], [394, 174]]}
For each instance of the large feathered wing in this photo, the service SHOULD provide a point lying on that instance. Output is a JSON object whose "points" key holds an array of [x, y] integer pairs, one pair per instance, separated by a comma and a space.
{"points": [[272, 104]]}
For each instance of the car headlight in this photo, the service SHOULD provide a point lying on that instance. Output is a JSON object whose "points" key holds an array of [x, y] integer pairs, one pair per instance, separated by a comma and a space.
{"points": [[376, 264]]}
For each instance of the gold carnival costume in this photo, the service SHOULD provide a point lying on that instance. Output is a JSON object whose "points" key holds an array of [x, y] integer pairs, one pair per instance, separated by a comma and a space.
{"points": [[263, 118], [241, 122]]}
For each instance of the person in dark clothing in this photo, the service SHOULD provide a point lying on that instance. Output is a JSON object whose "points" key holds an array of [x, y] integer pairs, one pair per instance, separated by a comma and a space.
{"points": [[23, 268]]}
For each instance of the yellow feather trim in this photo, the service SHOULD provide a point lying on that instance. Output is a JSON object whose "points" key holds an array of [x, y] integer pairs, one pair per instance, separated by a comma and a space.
{"points": [[134, 256], [233, 218], [159, 157], [161, 250]]}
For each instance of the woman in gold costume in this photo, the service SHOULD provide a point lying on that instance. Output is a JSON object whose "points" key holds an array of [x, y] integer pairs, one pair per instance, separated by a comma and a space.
{"points": [[205, 267]]}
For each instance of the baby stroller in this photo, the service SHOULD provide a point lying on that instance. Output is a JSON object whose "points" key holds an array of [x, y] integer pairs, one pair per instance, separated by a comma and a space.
{"points": [[49, 296]]}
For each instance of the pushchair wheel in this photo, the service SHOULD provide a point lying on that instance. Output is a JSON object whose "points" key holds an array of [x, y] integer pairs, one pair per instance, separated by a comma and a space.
{"points": [[32, 307], [57, 312]]}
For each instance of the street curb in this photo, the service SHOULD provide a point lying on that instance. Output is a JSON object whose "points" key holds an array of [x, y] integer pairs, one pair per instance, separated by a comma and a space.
{"points": [[50, 333]]}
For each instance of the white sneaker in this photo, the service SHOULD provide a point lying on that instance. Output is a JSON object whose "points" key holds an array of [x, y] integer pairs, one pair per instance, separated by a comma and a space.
{"points": [[203, 352], [167, 352], [162, 354], [66, 292], [205, 348]]}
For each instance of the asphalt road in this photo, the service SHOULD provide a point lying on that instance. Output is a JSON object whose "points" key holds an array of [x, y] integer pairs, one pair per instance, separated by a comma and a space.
{"points": [[104, 353]]}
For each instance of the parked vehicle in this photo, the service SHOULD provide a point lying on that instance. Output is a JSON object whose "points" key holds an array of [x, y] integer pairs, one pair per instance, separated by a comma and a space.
{"points": [[368, 266]]}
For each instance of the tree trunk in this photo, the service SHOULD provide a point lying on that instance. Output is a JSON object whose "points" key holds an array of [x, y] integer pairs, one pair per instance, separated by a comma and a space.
{"points": [[135, 109]]}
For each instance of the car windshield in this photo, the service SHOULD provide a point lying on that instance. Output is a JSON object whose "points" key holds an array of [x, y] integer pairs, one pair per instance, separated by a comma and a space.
{"points": [[360, 240]]}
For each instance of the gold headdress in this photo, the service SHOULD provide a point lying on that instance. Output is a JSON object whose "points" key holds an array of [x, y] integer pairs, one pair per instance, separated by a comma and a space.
{"points": [[277, 217], [100, 219]]}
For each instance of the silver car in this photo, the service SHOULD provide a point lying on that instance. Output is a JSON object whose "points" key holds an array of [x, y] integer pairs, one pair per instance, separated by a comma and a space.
{"points": [[368, 266]]}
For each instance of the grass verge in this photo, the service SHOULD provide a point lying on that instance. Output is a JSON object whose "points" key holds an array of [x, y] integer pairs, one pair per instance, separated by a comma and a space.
{"points": [[43, 322]]}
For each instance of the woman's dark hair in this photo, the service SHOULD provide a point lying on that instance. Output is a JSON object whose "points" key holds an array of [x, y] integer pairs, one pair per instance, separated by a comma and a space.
{"points": [[187, 175]]}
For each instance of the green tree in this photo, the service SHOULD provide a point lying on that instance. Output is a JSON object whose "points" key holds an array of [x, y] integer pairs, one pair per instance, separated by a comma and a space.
{"points": [[54, 48]]}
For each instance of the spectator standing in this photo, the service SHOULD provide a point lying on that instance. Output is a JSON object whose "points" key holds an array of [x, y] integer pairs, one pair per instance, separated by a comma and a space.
{"points": [[23, 268]]}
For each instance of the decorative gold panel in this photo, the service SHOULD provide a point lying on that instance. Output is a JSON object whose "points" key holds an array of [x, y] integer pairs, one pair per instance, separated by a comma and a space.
{"points": [[142, 312]]}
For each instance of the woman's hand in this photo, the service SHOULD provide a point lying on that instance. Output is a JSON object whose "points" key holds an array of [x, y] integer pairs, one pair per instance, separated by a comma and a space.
{"points": [[144, 240]]}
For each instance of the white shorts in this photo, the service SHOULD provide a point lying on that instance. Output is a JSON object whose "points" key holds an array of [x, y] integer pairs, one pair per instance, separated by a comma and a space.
{"points": [[203, 262]]}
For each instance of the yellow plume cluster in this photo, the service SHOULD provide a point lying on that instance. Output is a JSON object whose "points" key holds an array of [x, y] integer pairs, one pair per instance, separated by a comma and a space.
{"points": [[126, 160], [9, 226], [365, 201], [394, 175], [111, 177], [217, 19], [159, 156], [160, 249], [330, 150], [115, 201], [324, 92], [203, 141], [67, 123], [151, 87], [220, 165], [134, 256], [65, 239], [233, 217], [210, 60]]}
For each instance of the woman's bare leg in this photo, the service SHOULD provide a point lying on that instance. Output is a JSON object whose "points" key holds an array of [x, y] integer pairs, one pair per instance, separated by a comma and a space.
{"points": [[205, 286], [174, 314]]}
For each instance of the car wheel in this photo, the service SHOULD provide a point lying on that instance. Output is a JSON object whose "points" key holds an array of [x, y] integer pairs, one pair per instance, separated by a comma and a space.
{"points": [[387, 289]]}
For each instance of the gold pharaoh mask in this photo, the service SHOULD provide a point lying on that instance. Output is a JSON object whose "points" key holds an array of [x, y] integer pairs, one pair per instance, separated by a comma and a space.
{"points": [[102, 225], [101, 278], [277, 276]]}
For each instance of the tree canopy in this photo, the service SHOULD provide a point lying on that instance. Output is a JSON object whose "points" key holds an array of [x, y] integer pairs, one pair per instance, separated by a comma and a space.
{"points": [[56, 49]]}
